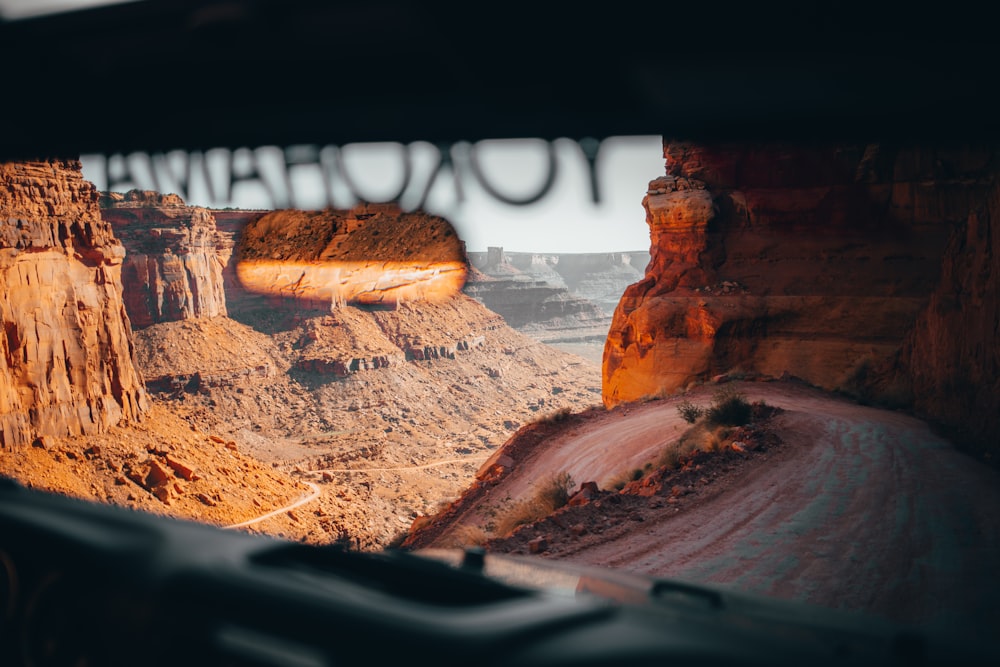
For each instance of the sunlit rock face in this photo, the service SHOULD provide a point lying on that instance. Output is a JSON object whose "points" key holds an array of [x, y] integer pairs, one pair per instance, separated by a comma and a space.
{"points": [[373, 255], [174, 260], [68, 361], [812, 261]]}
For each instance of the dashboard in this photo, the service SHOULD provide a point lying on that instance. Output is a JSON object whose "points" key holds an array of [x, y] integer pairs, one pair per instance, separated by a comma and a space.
{"points": [[90, 585]]}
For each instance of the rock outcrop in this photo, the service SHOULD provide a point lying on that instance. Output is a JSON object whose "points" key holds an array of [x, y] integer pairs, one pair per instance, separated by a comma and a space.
{"points": [[950, 361], [812, 261], [600, 278], [68, 356], [175, 257], [230, 223], [532, 297], [373, 255]]}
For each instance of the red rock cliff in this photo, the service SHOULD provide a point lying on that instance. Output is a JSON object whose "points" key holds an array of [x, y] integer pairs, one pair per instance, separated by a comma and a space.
{"points": [[173, 267], [68, 361], [951, 358], [814, 261]]}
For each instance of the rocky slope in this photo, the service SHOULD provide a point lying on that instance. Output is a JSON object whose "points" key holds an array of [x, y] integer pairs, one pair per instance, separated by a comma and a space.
{"points": [[175, 257], [390, 404], [68, 356], [815, 261], [69, 383]]}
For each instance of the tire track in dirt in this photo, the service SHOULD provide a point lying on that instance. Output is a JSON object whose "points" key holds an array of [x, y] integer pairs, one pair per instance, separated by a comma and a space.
{"points": [[861, 509]]}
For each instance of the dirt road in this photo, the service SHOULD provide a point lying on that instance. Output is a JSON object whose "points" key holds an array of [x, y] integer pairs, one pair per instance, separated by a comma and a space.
{"points": [[302, 500], [862, 509]]}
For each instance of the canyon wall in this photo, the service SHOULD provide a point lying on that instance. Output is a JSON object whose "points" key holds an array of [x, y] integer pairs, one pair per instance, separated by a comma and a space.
{"points": [[68, 356], [230, 223], [175, 257], [815, 261], [600, 278], [951, 358], [531, 295]]}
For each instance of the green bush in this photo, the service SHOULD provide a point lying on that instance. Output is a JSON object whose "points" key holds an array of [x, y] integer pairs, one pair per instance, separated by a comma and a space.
{"points": [[690, 412], [729, 407]]}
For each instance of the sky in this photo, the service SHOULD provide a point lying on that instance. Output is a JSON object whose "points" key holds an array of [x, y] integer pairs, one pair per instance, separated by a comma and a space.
{"points": [[565, 220], [22, 9]]}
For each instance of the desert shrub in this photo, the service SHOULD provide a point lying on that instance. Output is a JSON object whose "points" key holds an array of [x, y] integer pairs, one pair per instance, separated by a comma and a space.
{"points": [[555, 491], [554, 417], [547, 497], [673, 455], [690, 412], [729, 407], [468, 536], [619, 481]]}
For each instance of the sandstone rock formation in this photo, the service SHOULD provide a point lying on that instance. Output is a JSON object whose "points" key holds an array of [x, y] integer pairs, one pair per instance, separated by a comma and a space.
{"points": [[815, 261], [174, 260], [68, 355], [420, 391], [532, 297], [230, 224], [372, 255], [192, 355], [600, 278], [951, 358]]}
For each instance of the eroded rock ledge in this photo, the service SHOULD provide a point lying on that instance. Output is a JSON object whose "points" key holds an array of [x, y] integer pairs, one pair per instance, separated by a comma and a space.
{"points": [[371, 255]]}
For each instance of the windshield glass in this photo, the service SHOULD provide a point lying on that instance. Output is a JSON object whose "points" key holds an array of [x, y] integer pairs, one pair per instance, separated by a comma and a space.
{"points": [[769, 368]]}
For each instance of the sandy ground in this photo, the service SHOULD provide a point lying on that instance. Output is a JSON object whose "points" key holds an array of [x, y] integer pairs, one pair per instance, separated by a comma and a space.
{"points": [[859, 509]]}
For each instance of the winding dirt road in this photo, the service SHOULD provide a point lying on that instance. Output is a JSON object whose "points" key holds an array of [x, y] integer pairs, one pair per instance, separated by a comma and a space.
{"points": [[861, 509]]}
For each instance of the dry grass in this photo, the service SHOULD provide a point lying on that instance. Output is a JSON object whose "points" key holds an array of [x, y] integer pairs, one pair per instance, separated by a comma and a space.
{"points": [[703, 437], [618, 481], [547, 497], [467, 536]]}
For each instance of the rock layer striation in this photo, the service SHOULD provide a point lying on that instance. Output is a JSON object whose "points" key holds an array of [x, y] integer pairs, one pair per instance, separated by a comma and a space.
{"points": [[68, 356], [812, 261], [373, 255], [175, 257]]}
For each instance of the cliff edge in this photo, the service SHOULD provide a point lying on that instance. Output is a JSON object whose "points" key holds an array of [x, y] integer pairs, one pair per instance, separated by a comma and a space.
{"points": [[68, 355], [869, 269]]}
